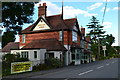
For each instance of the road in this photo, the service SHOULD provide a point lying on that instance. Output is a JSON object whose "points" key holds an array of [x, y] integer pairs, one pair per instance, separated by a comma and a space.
{"points": [[99, 69]]}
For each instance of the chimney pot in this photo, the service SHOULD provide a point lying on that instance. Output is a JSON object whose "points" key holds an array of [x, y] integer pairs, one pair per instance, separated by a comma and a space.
{"points": [[44, 4], [39, 5], [42, 10]]}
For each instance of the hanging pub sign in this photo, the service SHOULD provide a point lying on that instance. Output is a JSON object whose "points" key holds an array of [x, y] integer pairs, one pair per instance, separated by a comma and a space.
{"points": [[104, 47], [18, 67]]}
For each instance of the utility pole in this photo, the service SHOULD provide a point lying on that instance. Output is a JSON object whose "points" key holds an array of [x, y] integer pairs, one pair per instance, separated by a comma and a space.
{"points": [[63, 45], [98, 48]]}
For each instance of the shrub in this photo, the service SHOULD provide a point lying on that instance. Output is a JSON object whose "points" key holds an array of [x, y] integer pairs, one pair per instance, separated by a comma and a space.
{"points": [[49, 64], [21, 59], [53, 62], [116, 56], [85, 61], [41, 67], [7, 60]]}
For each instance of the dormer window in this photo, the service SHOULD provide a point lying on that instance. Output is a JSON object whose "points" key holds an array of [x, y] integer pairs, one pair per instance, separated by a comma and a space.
{"points": [[23, 38]]}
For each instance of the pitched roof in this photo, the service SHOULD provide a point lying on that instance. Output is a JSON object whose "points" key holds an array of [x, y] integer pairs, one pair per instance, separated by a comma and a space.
{"points": [[49, 44], [87, 39], [55, 22], [11, 45], [70, 22]]}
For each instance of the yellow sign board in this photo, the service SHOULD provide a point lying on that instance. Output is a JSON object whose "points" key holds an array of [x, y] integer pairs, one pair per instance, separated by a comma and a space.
{"points": [[18, 67]]}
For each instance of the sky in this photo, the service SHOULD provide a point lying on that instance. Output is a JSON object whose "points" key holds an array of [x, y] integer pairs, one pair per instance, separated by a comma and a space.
{"points": [[83, 11]]}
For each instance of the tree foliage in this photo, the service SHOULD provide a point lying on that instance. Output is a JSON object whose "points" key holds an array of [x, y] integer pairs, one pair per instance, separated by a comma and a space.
{"points": [[96, 30], [108, 40], [8, 37], [99, 39], [14, 16]]}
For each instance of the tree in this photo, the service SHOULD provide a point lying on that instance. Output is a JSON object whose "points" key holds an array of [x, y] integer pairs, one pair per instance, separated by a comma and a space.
{"points": [[96, 31], [117, 48], [8, 58], [14, 15], [8, 37], [107, 40]]}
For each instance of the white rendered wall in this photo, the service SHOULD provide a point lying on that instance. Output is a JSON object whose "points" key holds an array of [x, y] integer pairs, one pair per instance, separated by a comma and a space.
{"points": [[56, 54], [40, 55]]}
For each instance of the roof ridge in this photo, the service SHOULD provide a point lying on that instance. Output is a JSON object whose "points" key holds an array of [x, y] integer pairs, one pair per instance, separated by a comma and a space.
{"points": [[54, 15], [70, 19]]}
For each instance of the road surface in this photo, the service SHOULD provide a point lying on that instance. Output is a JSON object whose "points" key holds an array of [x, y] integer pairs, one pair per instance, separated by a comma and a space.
{"points": [[99, 70]]}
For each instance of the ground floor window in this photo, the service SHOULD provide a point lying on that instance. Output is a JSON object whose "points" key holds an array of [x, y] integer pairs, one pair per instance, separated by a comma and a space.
{"points": [[24, 54], [78, 56], [49, 55], [85, 57], [76, 53], [35, 54], [73, 56]]}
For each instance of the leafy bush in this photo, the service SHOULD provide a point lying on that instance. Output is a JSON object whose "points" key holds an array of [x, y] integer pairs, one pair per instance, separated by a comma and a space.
{"points": [[7, 60], [49, 64], [40, 67], [85, 61], [53, 62], [21, 59], [116, 56], [103, 58]]}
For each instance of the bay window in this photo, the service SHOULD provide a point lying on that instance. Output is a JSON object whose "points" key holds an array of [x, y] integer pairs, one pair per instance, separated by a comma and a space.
{"points": [[74, 36]]}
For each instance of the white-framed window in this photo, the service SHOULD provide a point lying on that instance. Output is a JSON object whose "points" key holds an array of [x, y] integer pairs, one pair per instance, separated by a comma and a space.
{"points": [[74, 36], [60, 35], [24, 54], [23, 38], [35, 54]]}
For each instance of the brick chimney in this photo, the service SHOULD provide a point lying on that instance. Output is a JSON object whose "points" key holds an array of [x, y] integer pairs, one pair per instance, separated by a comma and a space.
{"points": [[42, 10], [83, 31], [88, 38]]}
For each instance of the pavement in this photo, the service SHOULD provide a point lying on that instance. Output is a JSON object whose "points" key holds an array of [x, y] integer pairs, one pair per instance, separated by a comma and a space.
{"points": [[99, 70]]}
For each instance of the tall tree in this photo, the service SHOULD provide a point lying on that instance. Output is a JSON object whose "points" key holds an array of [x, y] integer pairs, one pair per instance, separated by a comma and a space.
{"points": [[96, 31], [14, 15]]}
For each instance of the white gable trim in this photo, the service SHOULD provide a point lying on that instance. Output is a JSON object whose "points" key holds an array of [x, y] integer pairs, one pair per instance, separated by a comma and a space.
{"points": [[75, 27], [41, 25]]}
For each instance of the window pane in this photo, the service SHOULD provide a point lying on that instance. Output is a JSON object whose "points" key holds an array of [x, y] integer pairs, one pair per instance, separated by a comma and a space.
{"points": [[73, 56], [35, 54], [60, 35], [24, 54], [23, 38], [78, 56], [74, 36], [27, 54]]}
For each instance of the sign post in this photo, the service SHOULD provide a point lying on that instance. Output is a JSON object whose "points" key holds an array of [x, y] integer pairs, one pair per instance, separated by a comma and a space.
{"points": [[104, 48]]}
